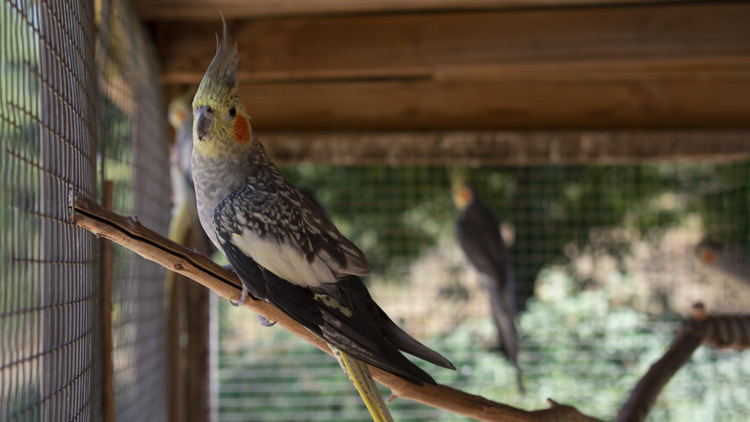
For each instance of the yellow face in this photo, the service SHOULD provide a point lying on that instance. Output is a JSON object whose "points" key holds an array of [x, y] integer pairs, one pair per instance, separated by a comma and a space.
{"points": [[462, 196], [179, 110]]}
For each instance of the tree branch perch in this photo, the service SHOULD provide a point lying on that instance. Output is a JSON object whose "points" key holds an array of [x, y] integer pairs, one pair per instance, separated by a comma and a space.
{"points": [[128, 232], [720, 331]]}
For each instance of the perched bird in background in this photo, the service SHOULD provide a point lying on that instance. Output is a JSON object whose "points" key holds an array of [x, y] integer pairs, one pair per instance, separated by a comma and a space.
{"points": [[732, 262], [184, 224], [478, 233], [180, 116], [282, 246]]}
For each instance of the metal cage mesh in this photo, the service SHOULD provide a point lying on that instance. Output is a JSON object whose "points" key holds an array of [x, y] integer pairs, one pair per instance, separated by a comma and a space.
{"points": [[72, 73], [136, 156], [606, 267], [48, 292]]}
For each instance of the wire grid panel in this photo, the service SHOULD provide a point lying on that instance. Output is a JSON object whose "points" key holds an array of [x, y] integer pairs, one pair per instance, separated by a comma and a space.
{"points": [[606, 266], [136, 160], [48, 291], [63, 86]]}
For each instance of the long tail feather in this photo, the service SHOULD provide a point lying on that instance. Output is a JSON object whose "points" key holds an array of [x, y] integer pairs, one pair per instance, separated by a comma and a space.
{"points": [[359, 375]]}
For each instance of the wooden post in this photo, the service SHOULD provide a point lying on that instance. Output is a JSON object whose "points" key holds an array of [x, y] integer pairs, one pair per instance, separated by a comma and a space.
{"points": [[189, 317], [108, 385], [198, 348], [176, 357]]}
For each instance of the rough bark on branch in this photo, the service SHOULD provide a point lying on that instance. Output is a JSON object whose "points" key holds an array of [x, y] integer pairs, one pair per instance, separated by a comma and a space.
{"points": [[128, 232]]}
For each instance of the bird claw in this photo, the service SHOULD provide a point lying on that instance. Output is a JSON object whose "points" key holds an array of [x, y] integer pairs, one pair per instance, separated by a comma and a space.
{"points": [[243, 297], [266, 322]]}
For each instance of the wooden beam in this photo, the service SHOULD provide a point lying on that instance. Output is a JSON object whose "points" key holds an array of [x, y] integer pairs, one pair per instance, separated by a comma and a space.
{"points": [[505, 148], [424, 105], [397, 46], [656, 66], [181, 10]]}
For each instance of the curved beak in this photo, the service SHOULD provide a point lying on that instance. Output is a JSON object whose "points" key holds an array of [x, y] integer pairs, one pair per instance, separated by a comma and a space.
{"points": [[204, 121]]}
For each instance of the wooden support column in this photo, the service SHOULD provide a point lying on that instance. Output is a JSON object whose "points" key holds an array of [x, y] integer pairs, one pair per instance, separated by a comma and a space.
{"points": [[105, 313]]}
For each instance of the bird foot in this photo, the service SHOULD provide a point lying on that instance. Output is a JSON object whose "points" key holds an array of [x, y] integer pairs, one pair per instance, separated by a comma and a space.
{"points": [[243, 297], [266, 322]]}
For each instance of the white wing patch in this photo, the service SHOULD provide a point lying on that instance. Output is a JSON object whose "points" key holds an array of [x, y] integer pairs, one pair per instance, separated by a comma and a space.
{"points": [[285, 260]]}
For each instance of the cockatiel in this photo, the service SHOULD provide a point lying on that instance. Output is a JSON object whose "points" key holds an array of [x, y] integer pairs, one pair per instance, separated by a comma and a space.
{"points": [[184, 221], [183, 211], [730, 261], [478, 233], [283, 248]]}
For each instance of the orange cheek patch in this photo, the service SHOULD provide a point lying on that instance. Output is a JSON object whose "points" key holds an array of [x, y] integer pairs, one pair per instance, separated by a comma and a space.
{"points": [[241, 130], [465, 196]]}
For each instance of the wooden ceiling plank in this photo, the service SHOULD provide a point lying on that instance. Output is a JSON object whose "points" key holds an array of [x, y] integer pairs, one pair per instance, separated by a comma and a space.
{"points": [[661, 66], [408, 46], [197, 10], [428, 105]]}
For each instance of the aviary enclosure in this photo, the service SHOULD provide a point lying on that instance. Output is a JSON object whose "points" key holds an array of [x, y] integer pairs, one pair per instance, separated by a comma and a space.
{"points": [[610, 140]]}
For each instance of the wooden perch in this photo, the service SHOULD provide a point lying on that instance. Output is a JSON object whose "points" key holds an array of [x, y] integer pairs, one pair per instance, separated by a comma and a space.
{"points": [[128, 232], [720, 331]]}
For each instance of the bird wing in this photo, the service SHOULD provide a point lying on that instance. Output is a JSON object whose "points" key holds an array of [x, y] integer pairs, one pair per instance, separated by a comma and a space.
{"points": [[343, 314], [285, 233], [478, 233]]}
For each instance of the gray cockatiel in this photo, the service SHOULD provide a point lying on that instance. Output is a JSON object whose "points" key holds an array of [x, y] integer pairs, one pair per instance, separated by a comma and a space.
{"points": [[478, 233], [282, 246]]}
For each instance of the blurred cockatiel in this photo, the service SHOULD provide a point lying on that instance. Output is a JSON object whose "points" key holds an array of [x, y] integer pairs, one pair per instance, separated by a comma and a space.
{"points": [[180, 116], [731, 262], [184, 222], [478, 233], [283, 248]]}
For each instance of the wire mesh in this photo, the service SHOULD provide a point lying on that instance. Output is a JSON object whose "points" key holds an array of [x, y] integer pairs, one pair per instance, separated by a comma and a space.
{"points": [[73, 72], [606, 266], [136, 160], [47, 291]]}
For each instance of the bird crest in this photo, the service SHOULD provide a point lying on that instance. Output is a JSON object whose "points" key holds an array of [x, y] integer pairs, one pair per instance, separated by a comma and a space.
{"points": [[220, 80]]}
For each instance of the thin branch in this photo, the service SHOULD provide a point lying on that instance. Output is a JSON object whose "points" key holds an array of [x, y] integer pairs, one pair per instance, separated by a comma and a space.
{"points": [[644, 393], [128, 232], [720, 331]]}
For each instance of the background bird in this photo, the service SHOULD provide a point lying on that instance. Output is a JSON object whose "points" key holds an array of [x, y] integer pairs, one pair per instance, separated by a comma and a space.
{"points": [[732, 262], [282, 246], [184, 212], [478, 233]]}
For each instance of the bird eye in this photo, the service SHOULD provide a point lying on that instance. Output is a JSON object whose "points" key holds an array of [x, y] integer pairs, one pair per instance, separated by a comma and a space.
{"points": [[232, 112]]}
